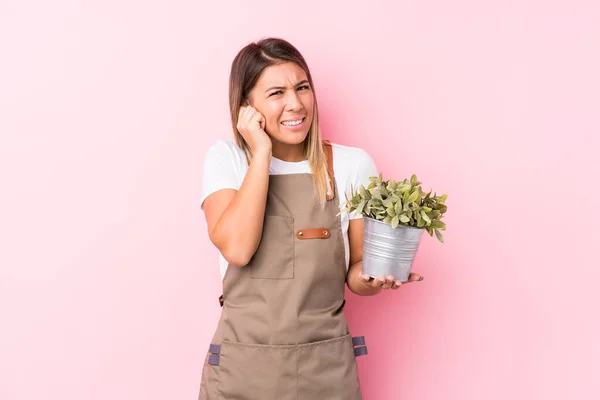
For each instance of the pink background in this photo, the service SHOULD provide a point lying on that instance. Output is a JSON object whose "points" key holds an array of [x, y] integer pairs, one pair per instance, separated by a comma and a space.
{"points": [[109, 284]]}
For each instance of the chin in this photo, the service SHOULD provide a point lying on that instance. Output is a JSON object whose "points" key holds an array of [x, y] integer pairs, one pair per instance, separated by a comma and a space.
{"points": [[290, 138]]}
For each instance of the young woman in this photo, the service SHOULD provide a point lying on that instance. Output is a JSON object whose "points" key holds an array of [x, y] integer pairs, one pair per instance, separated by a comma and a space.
{"points": [[272, 201]]}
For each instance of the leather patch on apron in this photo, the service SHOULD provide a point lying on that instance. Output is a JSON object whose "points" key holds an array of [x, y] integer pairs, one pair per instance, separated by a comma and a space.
{"points": [[313, 233]]}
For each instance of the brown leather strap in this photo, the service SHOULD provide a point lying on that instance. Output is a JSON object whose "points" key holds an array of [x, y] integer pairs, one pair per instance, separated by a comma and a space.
{"points": [[329, 153], [313, 233]]}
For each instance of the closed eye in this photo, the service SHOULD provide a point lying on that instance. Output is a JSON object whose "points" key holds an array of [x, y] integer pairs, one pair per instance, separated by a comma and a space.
{"points": [[303, 87]]}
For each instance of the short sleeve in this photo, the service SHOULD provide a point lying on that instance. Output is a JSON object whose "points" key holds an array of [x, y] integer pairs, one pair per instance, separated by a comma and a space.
{"points": [[221, 169], [366, 168]]}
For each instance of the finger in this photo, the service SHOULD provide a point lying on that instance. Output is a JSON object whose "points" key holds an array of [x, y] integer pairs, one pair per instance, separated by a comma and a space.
{"points": [[256, 117], [396, 285], [390, 279], [414, 277], [244, 117], [378, 282], [364, 277], [386, 286]]}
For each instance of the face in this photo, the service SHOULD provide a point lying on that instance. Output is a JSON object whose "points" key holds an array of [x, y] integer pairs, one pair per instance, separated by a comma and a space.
{"points": [[286, 100]]}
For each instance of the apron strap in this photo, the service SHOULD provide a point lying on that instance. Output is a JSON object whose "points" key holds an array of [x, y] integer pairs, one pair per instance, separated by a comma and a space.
{"points": [[214, 357], [358, 341], [361, 350], [329, 153]]}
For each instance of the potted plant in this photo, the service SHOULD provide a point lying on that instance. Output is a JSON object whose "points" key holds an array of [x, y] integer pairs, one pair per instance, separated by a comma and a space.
{"points": [[396, 214]]}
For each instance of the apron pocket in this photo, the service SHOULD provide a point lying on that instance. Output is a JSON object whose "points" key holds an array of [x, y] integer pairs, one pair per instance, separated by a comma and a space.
{"points": [[327, 370], [274, 258], [257, 372]]}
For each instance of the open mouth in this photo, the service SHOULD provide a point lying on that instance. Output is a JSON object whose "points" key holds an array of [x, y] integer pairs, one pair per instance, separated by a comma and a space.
{"points": [[293, 123]]}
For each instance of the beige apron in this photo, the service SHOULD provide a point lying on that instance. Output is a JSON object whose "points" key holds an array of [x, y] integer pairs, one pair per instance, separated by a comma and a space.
{"points": [[282, 334]]}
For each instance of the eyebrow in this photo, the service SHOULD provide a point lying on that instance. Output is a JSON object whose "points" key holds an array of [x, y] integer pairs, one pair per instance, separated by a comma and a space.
{"points": [[283, 87]]}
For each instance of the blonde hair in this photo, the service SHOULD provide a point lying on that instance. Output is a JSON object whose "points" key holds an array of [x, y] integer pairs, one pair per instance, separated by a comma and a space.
{"points": [[246, 69]]}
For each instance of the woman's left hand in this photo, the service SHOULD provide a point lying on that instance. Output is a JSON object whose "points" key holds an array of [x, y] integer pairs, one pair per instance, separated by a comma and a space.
{"points": [[388, 282]]}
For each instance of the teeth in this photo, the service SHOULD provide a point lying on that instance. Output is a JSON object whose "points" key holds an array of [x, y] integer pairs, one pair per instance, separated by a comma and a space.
{"points": [[292, 123]]}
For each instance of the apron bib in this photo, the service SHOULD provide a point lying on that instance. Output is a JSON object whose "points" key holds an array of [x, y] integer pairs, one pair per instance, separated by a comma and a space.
{"points": [[282, 332]]}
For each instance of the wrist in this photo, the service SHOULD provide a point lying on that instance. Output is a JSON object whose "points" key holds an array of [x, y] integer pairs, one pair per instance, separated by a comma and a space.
{"points": [[263, 153]]}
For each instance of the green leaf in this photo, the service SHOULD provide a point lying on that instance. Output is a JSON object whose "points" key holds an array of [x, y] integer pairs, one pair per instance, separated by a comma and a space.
{"points": [[387, 203], [398, 207], [395, 222], [414, 195], [387, 220], [425, 217], [404, 188], [361, 206], [404, 219], [364, 193], [438, 225], [442, 199], [439, 235], [376, 193]]}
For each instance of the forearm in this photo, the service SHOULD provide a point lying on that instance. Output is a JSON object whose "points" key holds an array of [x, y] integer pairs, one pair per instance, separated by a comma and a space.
{"points": [[357, 285], [239, 229]]}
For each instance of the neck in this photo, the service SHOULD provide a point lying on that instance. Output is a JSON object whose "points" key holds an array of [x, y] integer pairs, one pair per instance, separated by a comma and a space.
{"points": [[288, 152]]}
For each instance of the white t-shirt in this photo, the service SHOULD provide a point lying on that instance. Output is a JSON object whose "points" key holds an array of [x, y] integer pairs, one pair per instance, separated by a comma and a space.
{"points": [[225, 167]]}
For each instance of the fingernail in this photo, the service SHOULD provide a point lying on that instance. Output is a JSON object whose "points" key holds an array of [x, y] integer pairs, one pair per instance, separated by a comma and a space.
{"points": [[421, 278]]}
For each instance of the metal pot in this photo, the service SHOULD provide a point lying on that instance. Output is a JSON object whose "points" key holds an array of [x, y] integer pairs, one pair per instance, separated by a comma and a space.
{"points": [[389, 251]]}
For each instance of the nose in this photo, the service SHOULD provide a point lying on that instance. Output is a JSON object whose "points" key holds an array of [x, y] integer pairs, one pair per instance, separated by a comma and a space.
{"points": [[293, 102]]}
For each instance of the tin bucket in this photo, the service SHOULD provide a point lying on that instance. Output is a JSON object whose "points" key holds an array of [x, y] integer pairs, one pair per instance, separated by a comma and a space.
{"points": [[389, 251]]}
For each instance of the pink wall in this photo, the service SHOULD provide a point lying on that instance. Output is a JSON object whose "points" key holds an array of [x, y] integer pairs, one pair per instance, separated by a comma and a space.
{"points": [[109, 284]]}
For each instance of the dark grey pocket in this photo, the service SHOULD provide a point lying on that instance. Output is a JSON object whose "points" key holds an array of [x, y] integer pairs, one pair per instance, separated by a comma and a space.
{"points": [[274, 258]]}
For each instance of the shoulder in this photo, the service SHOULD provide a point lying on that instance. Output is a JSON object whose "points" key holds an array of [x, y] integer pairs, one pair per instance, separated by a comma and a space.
{"points": [[351, 160], [224, 168]]}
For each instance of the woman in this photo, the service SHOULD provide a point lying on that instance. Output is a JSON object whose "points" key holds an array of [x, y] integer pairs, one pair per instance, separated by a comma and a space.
{"points": [[272, 203]]}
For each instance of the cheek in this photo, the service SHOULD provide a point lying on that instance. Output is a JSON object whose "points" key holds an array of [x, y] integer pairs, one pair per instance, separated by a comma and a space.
{"points": [[308, 103], [272, 114]]}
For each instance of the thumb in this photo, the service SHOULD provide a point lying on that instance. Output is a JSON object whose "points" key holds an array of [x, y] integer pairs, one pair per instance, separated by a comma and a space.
{"points": [[414, 277]]}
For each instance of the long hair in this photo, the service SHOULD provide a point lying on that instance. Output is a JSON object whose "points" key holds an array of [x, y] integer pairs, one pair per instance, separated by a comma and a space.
{"points": [[246, 69]]}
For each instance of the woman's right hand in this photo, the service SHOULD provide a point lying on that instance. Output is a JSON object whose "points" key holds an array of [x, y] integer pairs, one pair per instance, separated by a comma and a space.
{"points": [[251, 125]]}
